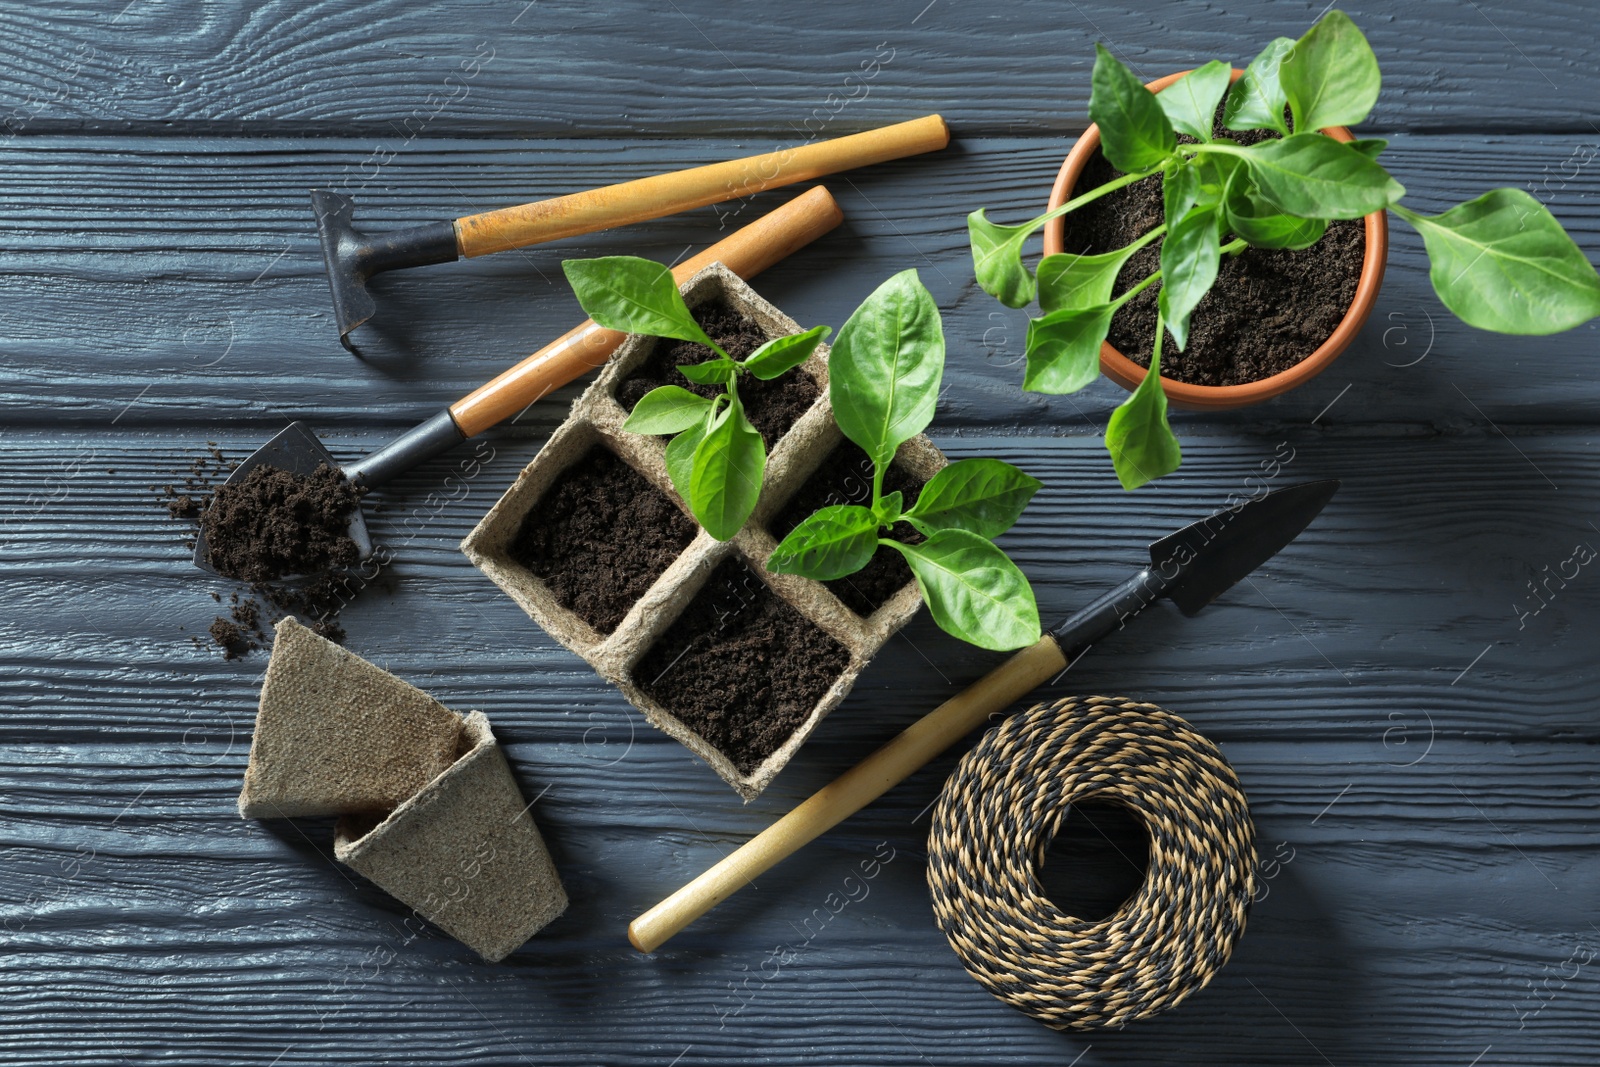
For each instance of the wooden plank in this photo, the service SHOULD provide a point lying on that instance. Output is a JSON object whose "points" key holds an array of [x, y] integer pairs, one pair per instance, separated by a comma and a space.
{"points": [[1415, 738], [1397, 607], [260, 942], [390, 70], [185, 284]]}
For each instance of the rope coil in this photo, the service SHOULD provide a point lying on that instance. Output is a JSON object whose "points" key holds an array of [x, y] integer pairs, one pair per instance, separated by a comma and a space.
{"points": [[1002, 806]]}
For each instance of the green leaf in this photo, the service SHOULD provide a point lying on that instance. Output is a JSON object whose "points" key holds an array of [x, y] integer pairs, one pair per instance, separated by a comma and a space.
{"points": [[785, 353], [889, 508], [680, 453], [1316, 177], [726, 475], [1180, 188], [1502, 262], [1330, 75], [1067, 281], [884, 370], [1063, 349], [973, 590], [1191, 102], [633, 295], [1141, 443], [712, 372], [1190, 255], [1371, 147], [1216, 171], [667, 410], [982, 495], [1134, 132], [831, 543], [997, 259], [1260, 224], [1256, 101]]}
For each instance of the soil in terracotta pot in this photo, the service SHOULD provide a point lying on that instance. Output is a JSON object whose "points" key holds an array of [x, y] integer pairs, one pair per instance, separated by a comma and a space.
{"points": [[772, 406], [600, 536], [845, 477], [1268, 310], [740, 667]]}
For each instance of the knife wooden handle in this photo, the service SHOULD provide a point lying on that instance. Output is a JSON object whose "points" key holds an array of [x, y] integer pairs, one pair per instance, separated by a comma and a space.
{"points": [[747, 252], [668, 194], [851, 791]]}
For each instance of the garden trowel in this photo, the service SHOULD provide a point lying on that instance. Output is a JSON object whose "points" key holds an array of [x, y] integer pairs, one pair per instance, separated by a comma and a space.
{"points": [[746, 252], [1191, 568]]}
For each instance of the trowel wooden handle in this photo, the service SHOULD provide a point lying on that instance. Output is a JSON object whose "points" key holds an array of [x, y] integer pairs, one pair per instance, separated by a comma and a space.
{"points": [[746, 252], [851, 791], [667, 194]]}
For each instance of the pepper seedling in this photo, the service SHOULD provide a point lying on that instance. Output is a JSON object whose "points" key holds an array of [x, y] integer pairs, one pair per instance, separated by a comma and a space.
{"points": [[1499, 262], [716, 457], [883, 380]]}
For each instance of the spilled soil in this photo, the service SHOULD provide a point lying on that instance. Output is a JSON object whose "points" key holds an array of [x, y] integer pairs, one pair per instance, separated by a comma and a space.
{"points": [[263, 532]]}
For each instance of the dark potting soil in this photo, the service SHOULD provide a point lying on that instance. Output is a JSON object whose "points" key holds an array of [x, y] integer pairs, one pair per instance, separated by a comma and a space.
{"points": [[248, 548], [772, 406], [600, 536], [275, 523], [740, 667], [845, 477], [1269, 308]]}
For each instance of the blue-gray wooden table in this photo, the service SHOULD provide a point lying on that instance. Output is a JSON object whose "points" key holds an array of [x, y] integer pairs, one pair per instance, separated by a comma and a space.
{"points": [[1408, 695]]}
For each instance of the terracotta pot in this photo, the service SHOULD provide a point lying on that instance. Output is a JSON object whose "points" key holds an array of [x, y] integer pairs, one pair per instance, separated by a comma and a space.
{"points": [[1128, 374]]}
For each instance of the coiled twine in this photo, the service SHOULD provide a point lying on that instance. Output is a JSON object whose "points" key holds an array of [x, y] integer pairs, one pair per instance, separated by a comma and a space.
{"points": [[995, 820]]}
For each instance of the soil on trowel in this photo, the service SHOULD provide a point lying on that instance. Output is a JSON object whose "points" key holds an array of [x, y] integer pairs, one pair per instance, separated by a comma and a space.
{"points": [[772, 406], [845, 477], [600, 536], [1269, 308], [740, 667], [275, 523], [271, 526]]}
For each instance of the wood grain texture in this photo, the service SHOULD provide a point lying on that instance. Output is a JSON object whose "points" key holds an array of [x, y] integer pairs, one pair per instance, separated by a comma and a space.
{"points": [[169, 233], [1418, 744], [387, 68]]}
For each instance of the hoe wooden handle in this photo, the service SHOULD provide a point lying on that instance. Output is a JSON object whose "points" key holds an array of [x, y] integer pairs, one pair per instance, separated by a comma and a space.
{"points": [[851, 791], [746, 252], [667, 194]]}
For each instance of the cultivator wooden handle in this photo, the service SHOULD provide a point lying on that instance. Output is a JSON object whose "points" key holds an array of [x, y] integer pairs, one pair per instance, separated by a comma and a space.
{"points": [[851, 791], [668, 194], [746, 252]]}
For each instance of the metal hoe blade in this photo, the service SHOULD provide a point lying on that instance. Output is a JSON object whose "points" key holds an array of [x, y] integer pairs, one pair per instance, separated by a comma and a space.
{"points": [[353, 256], [1206, 558], [296, 450]]}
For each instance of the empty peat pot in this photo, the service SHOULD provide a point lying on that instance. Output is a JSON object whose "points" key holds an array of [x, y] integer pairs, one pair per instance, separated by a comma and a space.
{"points": [[1125, 372], [429, 809], [595, 544]]}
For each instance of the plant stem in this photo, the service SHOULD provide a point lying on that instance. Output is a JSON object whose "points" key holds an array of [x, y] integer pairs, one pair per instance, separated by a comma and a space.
{"points": [[1146, 283], [1147, 238], [1092, 195], [1155, 350], [1235, 245]]}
